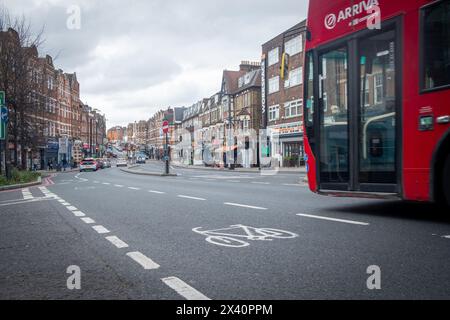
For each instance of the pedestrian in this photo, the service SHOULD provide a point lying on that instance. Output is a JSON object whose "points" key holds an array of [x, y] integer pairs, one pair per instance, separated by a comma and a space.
{"points": [[35, 164]]}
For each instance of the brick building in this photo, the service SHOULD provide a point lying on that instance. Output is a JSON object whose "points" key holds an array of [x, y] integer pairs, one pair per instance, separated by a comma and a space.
{"points": [[282, 102]]}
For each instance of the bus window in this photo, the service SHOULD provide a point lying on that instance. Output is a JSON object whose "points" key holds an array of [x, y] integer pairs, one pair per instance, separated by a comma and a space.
{"points": [[436, 45], [309, 97], [334, 134], [377, 108]]}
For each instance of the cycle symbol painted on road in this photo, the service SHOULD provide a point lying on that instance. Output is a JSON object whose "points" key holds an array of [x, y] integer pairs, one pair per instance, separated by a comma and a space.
{"points": [[231, 236]]}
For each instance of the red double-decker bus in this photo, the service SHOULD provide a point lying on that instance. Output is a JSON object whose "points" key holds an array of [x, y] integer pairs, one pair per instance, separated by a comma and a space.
{"points": [[377, 99]]}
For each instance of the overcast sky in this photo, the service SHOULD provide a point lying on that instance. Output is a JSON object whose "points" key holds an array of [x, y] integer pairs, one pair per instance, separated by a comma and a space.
{"points": [[134, 57]]}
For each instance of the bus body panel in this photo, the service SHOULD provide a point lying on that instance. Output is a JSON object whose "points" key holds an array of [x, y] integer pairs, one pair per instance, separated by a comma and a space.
{"points": [[417, 146]]}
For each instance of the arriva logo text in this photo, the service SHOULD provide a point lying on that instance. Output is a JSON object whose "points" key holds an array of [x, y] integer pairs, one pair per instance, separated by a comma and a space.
{"points": [[366, 6]]}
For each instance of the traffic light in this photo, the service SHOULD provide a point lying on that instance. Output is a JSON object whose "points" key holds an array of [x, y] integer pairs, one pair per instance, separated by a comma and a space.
{"points": [[284, 72]]}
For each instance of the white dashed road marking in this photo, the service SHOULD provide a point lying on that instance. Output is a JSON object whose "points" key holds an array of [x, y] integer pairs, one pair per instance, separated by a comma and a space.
{"points": [[157, 192], [133, 188], [100, 229], [264, 183], [333, 219], [118, 185], [106, 183], [183, 289], [79, 214], [88, 220], [72, 208], [117, 242], [189, 197], [243, 206], [27, 194], [143, 260]]}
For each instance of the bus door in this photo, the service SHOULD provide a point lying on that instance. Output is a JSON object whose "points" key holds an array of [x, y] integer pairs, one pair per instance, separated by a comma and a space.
{"points": [[359, 134]]}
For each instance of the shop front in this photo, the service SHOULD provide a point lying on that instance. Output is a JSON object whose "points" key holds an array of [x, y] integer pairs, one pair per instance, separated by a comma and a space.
{"points": [[287, 144]]}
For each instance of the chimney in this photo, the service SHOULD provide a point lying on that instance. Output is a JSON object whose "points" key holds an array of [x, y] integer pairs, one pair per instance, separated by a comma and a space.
{"points": [[248, 66]]}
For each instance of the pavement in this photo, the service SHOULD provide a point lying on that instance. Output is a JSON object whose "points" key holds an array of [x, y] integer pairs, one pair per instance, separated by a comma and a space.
{"points": [[215, 235]]}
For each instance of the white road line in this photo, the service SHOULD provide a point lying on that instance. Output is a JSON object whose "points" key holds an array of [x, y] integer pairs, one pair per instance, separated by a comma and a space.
{"points": [[22, 201], [106, 183], [333, 219], [88, 220], [118, 185], [61, 200], [100, 229], [133, 188], [292, 184], [117, 242], [157, 192], [446, 237], [96, 182], [79, 214], [234, 181], [71, 208], [143, 260], [189, 197], [243, 206], [265, 183], [65, 203], [27, 194], [183, 289]]}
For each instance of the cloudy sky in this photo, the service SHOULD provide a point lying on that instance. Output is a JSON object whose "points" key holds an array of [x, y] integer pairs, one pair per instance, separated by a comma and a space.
{"points": [[133, 57]]}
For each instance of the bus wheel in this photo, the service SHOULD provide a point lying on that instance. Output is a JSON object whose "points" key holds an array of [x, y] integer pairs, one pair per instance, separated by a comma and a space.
{"points": [[446, 180]]}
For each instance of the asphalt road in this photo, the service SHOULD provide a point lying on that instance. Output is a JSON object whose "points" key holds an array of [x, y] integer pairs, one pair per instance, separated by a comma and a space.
{"points": [[210, 235]]}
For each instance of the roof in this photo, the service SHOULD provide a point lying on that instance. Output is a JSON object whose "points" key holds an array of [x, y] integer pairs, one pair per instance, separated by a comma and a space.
{"points": [[230, 81], [249, 80]]}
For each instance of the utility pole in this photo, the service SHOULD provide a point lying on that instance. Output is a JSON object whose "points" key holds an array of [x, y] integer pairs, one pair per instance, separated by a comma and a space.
{"points": [[165, 128]]}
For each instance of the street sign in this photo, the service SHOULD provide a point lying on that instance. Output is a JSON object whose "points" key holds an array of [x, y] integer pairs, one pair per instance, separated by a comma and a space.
{"points": [[165, 126], [4, 114], [2, 130]]}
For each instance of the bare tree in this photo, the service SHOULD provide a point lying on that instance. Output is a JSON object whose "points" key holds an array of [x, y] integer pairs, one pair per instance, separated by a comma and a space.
{"points": [[17, 42]]}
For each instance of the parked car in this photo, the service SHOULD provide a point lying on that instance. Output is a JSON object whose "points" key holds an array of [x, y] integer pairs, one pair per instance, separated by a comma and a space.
{"points": [[99, 163], [140, 160], [88, 164], [106, 164], [121, 163]]}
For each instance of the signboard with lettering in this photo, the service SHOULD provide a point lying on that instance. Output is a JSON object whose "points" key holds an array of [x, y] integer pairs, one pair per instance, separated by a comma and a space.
{"points": [[263, 93], [287, 129]]}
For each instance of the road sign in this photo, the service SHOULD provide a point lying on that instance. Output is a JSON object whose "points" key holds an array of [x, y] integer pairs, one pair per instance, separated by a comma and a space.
{"points": [[165, 126], [4, 114], [2, 130]]}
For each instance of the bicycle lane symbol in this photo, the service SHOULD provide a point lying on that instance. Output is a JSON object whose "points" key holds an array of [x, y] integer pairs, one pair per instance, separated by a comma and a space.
{"points": [[234, 236]]}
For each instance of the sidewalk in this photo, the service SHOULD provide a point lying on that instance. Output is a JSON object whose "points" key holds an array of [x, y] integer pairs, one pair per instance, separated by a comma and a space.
{"points": [[300, 170]]}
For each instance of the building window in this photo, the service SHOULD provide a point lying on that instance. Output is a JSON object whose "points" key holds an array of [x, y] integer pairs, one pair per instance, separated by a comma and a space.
{"points": [[50, 83], [274, 84], [295, 78], [436, 45], [274, 113], [378, 88], [366, 95], [274, 56], [293, 108], [294, 45]]}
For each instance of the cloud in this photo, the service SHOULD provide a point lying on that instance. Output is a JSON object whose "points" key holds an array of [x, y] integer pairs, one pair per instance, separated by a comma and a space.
{"points": [[137, 56]]}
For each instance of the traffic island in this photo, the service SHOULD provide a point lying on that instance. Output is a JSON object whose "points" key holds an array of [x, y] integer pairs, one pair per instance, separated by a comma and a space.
{"points": [[147, 173], [37, 182]]}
